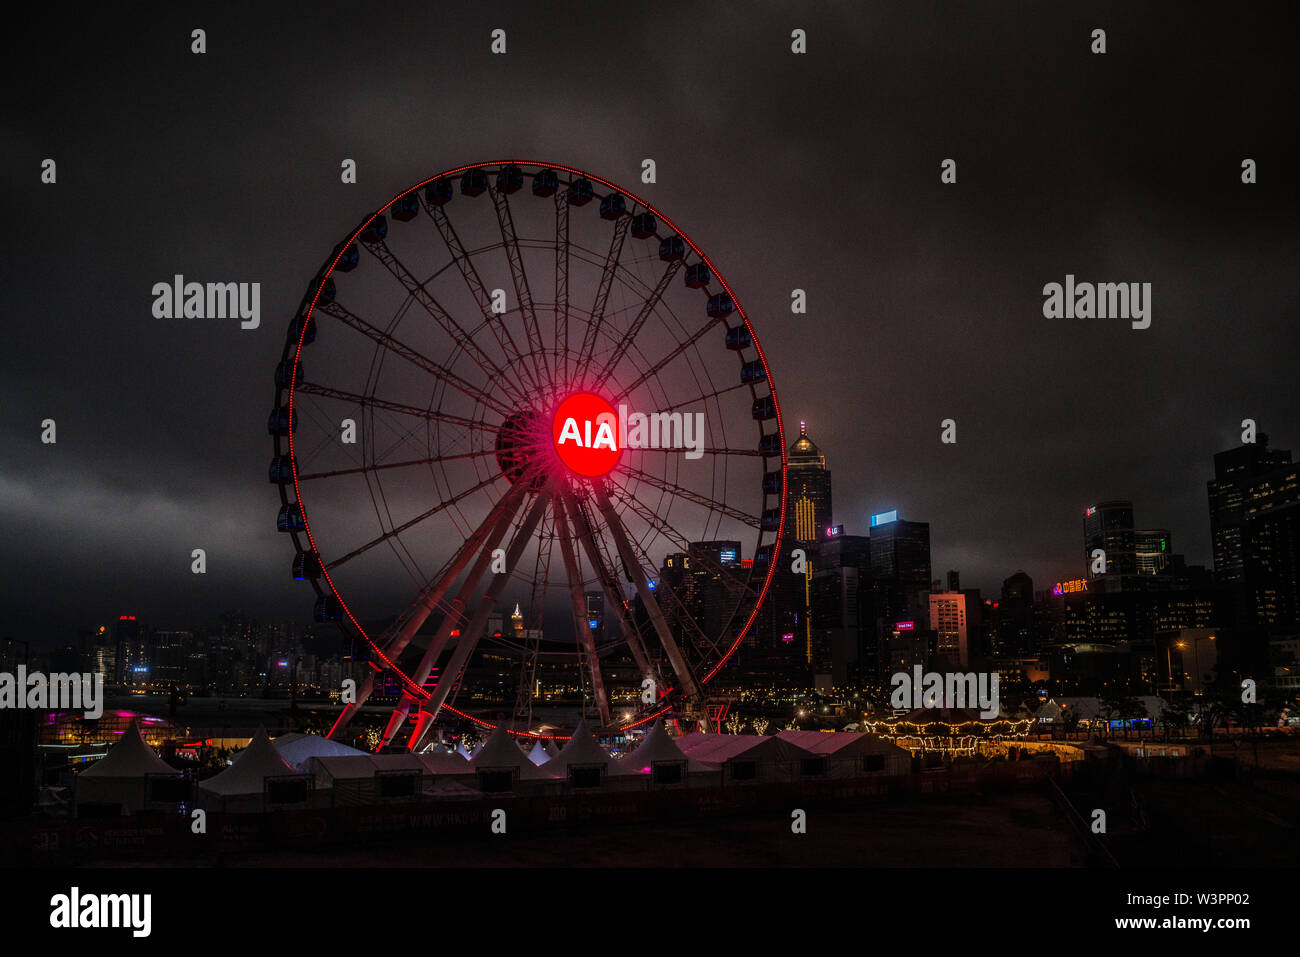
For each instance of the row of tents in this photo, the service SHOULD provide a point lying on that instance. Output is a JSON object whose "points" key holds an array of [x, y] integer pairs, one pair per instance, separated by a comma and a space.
{"points": [[298, 770]]}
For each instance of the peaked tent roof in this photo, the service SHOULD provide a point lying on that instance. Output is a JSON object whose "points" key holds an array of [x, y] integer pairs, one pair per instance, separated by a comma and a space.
{"points": [[297, 749], [539, 754], [129, 757], [720, 748], [252, 767], [839, 743], [501, 751], [581, 749], [548, 745], [657, 746]]}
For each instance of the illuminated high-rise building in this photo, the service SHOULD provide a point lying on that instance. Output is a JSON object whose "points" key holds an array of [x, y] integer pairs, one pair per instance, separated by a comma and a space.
{"points": [[1109, 526], [1153, 548], [808, 501], [1235, 471]]}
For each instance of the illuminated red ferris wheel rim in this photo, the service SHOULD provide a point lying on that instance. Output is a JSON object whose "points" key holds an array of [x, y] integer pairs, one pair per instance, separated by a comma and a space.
{"points": [[391, 665]]}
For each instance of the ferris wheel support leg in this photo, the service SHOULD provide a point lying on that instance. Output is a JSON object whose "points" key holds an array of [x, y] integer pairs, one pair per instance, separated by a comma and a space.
{"points": [[583, 633], [349, 711], [634, 644], [422, 722], [484, 542], [469, 636], [436, 591], [689, 683]]}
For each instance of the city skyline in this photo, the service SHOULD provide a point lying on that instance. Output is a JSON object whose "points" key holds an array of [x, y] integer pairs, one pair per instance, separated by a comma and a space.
{"points": [[923, 299]]}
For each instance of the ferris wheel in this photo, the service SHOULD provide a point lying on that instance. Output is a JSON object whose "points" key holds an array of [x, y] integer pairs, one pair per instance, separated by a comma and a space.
{"points": [[518, 385]]}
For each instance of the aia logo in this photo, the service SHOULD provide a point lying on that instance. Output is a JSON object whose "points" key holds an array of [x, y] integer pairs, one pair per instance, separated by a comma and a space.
{"points": [[585, 429]]}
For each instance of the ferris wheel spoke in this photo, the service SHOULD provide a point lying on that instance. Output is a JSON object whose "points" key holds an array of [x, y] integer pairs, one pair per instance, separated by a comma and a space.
{"points": [[684, 674], [479, 546], [577, 599], [470, 635], [423, 516], [465, 263], [683, 613], [371, 402], [434, 460], [523, 293], [449, 325], [707, 450], [652, 518], [687, 495], [647, 309], [591, 335], [340, 312], [609, 586], [399, 634], [658, 366], [562, 282], [704, 397]]}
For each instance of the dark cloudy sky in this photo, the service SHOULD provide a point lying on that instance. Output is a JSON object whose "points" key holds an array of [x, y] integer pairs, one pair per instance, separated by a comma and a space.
{"points": [[818, 171]]}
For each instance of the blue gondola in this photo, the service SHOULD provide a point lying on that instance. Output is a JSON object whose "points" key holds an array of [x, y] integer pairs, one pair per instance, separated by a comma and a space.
{"points": [[376, 231], [771, 519], [473, 183], [753, 372], [772, 483], [698, 276], [306, 565], [644, 225], [348, 261], [327, 291], [739, 338], [284, 373], [719, 306], [439, 192], [510, 179], [279, 422], [763, 408], [762, 555], [580, 192], [545, 183], [327, 608], [613, 206], [295, 331], [406, 208], [280, 471], [672, 249], [290, 518], [770, 444]]}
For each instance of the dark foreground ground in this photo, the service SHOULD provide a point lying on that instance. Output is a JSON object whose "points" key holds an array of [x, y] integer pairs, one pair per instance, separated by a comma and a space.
{"points": [[1021, 829]]}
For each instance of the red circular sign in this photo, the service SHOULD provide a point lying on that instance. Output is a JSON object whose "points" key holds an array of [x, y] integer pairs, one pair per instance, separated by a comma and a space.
{"points": [[585, 430]]}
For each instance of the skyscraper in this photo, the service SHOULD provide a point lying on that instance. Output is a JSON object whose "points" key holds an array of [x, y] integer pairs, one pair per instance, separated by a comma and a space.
{"points": [[1235, 471], [1153, 550], [1109, 526], [808, 502]]}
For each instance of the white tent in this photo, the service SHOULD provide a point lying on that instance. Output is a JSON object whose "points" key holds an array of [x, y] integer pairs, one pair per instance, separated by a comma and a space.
{"points": [[772, 758], [658, 748], [119, 777], [851, 754], [251, 768], [539, 755], [583, 750], [298, 749], [500, 753]]}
